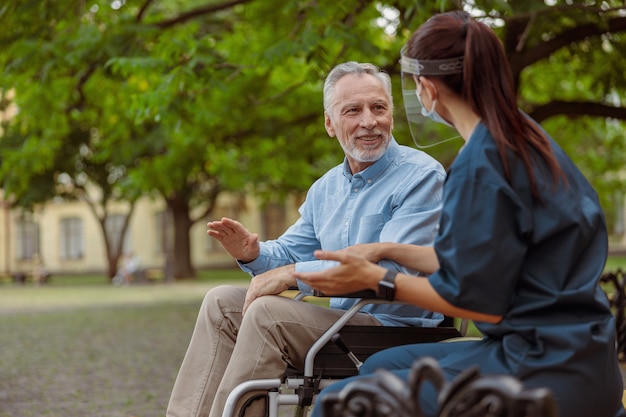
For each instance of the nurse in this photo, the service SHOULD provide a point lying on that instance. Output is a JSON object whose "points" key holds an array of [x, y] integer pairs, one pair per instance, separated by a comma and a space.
{"points": [[522, 238]]}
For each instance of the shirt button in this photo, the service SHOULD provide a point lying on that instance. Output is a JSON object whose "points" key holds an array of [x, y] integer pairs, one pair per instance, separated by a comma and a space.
{"points": [[356, 190]]}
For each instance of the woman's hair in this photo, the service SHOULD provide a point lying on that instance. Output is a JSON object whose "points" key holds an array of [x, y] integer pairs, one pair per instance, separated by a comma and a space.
{"points": [[486, 84], [353, 68]]}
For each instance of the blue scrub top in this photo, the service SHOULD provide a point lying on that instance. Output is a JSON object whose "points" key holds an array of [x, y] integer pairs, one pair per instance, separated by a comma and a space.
{"points": [[535, 263]]}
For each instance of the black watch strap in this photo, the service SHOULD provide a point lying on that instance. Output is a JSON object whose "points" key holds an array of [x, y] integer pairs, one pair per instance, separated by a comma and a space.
{"points": [[387, 286]]}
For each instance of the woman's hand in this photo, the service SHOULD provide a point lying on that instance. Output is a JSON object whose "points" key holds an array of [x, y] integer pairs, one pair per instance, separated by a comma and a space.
{"points": [[370, 251], [355, 273]]}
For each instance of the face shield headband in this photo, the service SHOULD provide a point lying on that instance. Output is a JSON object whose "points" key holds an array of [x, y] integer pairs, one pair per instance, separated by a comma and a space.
{"points": [[411, 70]]}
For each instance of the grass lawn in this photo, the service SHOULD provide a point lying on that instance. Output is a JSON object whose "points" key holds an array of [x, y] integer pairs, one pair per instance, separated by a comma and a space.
{"points": [[107, 362], [79, 347]]}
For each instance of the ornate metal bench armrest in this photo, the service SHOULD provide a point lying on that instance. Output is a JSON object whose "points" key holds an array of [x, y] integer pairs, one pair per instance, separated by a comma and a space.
{"points": [[469, 395]]}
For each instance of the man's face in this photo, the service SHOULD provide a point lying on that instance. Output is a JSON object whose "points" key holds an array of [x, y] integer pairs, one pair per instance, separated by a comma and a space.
{"points": [[361, 119]]}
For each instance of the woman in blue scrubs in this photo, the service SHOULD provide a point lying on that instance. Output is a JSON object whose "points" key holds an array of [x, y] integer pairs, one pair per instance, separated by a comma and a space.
{"points": [[522, 238]]}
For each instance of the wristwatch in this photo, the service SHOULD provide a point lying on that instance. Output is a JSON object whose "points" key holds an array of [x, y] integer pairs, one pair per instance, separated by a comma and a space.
{"points": [[387, 286]]}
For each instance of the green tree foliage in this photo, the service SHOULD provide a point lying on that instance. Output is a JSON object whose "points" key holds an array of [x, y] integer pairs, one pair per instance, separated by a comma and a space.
{"points": [[186, 99]]}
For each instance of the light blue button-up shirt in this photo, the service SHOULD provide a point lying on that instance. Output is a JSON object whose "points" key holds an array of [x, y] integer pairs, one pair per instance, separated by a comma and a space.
{"points": [[396, 199]]}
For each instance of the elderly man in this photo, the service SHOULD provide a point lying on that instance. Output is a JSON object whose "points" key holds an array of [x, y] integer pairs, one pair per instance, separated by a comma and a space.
{"points": [[381, 192]]}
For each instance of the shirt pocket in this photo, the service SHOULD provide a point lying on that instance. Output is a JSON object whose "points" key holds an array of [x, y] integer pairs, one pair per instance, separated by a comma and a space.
{"points": [[370, 228]]}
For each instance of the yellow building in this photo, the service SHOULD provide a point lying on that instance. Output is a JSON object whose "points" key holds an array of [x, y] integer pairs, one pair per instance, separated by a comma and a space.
{"points": [[64, 237]]}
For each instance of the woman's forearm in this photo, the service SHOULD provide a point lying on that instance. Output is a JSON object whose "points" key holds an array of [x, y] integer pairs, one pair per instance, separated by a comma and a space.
{"points": [[420, 258], [357, 272], [419, 292]]}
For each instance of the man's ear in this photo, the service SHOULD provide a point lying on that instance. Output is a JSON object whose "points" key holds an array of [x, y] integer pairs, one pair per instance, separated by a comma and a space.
{"points": [[329, 125]]}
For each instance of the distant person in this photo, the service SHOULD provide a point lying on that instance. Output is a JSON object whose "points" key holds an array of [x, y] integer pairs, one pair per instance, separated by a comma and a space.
{"points": [[242, 335], [522, 239], [40, 274], [129, 270]]}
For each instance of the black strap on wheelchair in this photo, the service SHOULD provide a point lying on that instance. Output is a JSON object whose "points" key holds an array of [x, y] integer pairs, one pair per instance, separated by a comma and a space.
{"points": [[308, 389]]}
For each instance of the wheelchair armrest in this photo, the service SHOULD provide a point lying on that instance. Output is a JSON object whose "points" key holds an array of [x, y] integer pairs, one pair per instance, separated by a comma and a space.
{"points": [[371, 294]]}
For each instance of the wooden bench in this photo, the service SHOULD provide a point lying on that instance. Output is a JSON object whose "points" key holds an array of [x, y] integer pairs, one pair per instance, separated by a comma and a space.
{"points": [[154, 274], [23, 278]]}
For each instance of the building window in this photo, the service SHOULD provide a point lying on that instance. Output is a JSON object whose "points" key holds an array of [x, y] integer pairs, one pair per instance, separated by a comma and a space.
{"points": [[113, 225], [71, 238], [27, 235], [273, 224]]}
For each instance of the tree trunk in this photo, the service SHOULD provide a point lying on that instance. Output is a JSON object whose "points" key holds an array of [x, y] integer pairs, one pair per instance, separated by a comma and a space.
{"points": [[112, 254], [182, 267]]}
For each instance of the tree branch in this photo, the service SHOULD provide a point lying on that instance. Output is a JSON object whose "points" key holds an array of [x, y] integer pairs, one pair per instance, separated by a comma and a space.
{"points": [[211, 202], [576, 109], [521, 42], [192, 14], [143, 10], [558, 10], [526, 58]]}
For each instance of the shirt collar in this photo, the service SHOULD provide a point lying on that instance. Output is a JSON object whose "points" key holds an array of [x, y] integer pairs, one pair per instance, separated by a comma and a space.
{"points": [[377, 168]]}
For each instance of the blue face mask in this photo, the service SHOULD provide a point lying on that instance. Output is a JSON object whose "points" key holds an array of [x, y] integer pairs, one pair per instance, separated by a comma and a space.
{"points": [[432, 114]]}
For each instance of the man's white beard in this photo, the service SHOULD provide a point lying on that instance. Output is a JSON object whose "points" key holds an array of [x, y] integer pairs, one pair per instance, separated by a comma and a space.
{"points": [[362, 155]]}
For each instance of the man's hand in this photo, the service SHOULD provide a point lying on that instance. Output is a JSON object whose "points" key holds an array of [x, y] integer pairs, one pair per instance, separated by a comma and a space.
{"points": [[271, 282], [235, 238]]}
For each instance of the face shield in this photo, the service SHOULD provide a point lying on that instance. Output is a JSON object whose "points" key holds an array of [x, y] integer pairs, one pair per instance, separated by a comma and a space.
{"points": [[421, 127]]}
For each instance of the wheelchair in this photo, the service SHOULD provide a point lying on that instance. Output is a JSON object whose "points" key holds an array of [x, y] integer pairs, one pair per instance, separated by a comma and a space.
{"points": [[337, 354]]}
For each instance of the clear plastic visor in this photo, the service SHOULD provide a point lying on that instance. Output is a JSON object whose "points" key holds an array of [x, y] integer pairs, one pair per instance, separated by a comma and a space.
{"points": [[424, 131]]}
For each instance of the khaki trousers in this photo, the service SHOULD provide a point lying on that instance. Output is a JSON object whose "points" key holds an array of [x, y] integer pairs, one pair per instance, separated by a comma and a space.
{"points": [[227, 349]]}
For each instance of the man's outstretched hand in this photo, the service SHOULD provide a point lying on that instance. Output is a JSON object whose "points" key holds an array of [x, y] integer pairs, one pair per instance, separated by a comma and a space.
{"points": [[235, 239]]}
